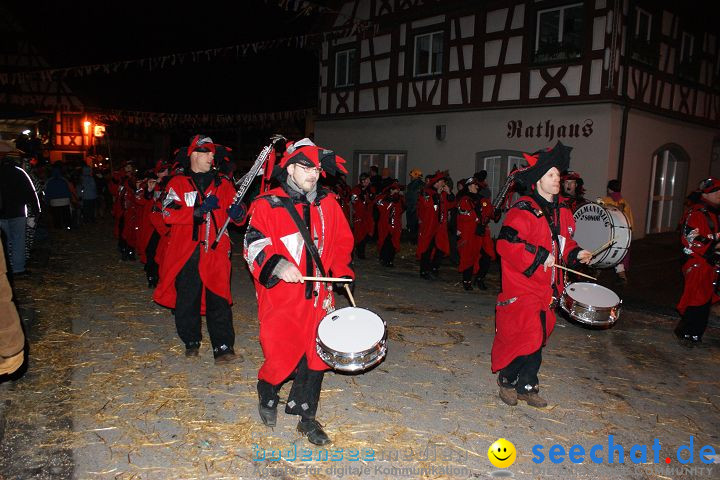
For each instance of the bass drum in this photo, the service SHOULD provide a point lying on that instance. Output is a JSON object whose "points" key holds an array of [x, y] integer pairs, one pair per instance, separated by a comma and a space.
{"points": [[595, 225]]}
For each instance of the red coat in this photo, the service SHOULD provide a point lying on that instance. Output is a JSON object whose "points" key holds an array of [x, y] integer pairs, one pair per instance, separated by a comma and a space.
{"points": [[470, 244], [178, 206], [699, 271], [524, 242], [344, 194], [390, 219], [362, 205], [433, 217], [158, 222], [288, 318]]}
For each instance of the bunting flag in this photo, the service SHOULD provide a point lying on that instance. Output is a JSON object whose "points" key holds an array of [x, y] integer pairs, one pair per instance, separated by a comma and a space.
{"points": [[167, 61], [204, 120]]}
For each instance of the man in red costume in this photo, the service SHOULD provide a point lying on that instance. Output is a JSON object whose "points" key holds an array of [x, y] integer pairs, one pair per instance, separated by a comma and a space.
{"points": [[475, 244], [362, 199], [289, 308], [701, 243], [433, 204], [535, 236], [573, 190], [194, 278], [390, 205]]}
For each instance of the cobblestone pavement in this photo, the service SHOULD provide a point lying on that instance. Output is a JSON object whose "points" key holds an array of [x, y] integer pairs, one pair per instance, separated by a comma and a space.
{"points": [[109, 393]]}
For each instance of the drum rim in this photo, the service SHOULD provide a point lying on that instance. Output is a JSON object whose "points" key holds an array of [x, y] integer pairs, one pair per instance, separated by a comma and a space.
{"points": [[598, 309], [591, 309], [380, 349], [352, 355]]}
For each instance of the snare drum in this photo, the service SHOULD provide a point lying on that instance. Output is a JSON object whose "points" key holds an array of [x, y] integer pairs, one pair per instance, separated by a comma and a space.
{"points": [[351, 339], [595, 225], [591, 304]]}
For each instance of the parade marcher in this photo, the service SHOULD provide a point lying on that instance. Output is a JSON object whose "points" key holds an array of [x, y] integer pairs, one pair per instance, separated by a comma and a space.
{"points": [[483, 188], [12, 339], [573, 189], [536, 235], [412, 192], [363, 225], [700, 236], [434, 204], [390, 205], [88, 194], [194, 278], [615, 199], [18, 203], [290, 309], [59, 196], [475, 244]]}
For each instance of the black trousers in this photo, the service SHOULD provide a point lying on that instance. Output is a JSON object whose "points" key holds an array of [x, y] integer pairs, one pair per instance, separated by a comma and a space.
{"points": [[694, 321], [428, 260], [522, 373], [387, 252], [218, 314], [304, 394], [152, 269], [485, 262]]}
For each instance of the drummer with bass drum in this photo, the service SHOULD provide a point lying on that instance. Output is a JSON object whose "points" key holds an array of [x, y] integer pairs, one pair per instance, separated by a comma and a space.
{"points": [[296, 230], [537, 234]]}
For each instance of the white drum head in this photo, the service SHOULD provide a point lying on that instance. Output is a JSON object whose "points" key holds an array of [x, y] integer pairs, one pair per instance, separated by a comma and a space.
{"points": [[351, 329], [592, 294], [595, 225]]}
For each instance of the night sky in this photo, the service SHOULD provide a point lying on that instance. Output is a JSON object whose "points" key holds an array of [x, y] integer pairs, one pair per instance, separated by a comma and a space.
{"points": [[84, 32]]}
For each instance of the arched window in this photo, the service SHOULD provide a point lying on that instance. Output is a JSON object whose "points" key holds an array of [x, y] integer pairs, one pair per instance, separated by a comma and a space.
{"points": [[667, 191]]}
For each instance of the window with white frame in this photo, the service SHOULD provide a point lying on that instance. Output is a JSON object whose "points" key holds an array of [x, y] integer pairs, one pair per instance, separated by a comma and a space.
{"points": [[395, 161], [559, 33], [686, 48], [643, 25], [428, 54], [345, 68]]}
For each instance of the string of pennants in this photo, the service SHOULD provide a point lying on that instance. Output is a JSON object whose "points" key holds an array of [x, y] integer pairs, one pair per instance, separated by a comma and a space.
{"points": [[205, 120], [196, 56]]}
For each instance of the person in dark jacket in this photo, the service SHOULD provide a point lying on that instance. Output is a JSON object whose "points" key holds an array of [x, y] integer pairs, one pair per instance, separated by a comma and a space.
{"points": [[59, 195], [18, 202]]}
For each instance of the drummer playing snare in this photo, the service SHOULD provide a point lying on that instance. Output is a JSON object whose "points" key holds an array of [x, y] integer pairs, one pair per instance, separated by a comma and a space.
{"points": [[537, 233], [290, 309]]}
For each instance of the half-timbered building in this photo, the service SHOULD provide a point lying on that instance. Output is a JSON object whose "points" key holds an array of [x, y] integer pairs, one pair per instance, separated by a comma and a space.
{"points": [[632, 85], [41, 106]]}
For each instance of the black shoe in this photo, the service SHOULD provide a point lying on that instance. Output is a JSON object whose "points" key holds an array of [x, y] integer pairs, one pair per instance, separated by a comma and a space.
{"points": [[426, 275], [390, 264], [267, 415], [480, 283], [192, 352], [152, 282], [314, 432], [467, 285], [435, 274]]}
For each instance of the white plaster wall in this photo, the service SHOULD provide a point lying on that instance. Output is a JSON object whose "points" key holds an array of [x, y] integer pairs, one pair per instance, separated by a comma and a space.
{"points": [[645, 135], [472, 132]]}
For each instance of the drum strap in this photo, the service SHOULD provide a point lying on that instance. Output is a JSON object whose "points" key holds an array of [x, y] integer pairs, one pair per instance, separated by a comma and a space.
{"points": [[302, 228]]}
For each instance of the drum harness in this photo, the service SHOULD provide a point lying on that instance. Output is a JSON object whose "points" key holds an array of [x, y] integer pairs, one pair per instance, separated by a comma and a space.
{"points": [[309, 244]]}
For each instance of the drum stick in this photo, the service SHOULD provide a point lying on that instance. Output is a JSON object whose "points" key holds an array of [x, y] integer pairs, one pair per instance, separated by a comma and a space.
{"points": [[598, 250], [328, 279], [350, 295], [575, 272]]}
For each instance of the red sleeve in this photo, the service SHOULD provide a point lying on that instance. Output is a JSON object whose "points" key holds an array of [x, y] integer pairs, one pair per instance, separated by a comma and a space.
{"points": [[175, 209], [513, 245]]}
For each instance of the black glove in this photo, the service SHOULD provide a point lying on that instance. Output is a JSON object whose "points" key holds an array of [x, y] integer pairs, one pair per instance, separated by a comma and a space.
{"points": [[211, 203], [236, 211], [340, 286]]}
